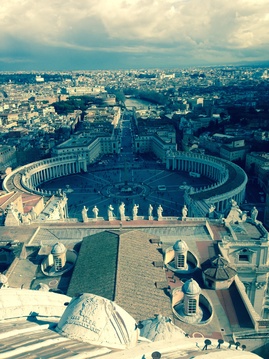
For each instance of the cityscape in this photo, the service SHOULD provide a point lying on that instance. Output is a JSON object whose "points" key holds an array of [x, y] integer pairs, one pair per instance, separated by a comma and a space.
{"points": [[134, 213]]}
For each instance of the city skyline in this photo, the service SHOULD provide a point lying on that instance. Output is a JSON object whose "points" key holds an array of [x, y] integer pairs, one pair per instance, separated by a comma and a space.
{"points": [[89, 35]]}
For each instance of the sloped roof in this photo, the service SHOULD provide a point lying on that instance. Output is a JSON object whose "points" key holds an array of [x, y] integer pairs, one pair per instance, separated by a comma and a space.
{"points": [[95, 269], [6, 198], [30, 201], [118, 265], [136, 291]]}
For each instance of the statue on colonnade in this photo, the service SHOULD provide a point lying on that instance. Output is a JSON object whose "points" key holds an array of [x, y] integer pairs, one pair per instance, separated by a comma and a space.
{"points": [[122, 211], [110, 213], [85, 214], [184, 211], [95, 212], [135, 211], [160, 212]]}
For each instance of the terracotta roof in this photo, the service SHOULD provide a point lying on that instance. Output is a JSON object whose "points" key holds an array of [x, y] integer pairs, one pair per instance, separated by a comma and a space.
{"points": [[119, 266], [29, 201], [8, 197], [136, 291]]}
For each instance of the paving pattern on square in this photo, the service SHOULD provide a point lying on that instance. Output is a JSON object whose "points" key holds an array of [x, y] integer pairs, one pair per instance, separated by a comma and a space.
{"points": [[102, 186]]}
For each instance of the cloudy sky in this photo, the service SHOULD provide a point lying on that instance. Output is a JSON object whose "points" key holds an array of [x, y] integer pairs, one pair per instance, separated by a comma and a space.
{"points": [[124, 34]]}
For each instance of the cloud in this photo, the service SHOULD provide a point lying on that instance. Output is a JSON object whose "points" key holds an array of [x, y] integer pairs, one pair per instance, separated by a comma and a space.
{"points": [[208, 30]]}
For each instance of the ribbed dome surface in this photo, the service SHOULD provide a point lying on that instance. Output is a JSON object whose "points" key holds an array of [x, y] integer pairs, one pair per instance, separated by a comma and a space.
{"points": [[218, 268]]}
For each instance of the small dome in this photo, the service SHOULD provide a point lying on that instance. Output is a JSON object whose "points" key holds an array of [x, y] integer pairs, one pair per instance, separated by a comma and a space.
{"points": [[159, 328], [191, 287], [180, 246], [3, 279], [218, 268], [58, 248], [96, 320]]}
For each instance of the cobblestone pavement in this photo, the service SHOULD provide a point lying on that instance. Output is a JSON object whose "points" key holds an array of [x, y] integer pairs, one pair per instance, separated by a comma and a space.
{"points": [[113, 183]]}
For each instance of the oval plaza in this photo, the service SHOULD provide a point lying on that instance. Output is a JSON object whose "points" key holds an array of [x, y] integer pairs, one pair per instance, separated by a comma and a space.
{"points": [[228, 180]]}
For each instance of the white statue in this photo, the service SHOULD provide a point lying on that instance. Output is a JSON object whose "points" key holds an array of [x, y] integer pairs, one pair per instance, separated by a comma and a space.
{"points": [[254, 213], [84, 214], [234, 203], [235, 214], [135, 210], [95, 211], [110, 210], [62, 205], [122, 210], [212, 208], [33, 214], [160, 212], [26, 218], [150, 210], [244, 216], [184, 211]]}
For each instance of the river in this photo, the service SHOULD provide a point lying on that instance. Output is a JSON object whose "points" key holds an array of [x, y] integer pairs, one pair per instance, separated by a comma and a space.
{"points": [[139, 104]]}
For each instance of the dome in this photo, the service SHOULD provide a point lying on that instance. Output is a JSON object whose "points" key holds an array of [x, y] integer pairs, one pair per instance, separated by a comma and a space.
{"points": [[191, 287], [58, 248], [96, 320], [180, 246], [159, 328], [218, 268]]}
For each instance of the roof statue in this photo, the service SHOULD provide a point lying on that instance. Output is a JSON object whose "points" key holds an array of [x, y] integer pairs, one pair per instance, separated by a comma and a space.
{"points": [[110, 212], [84, 214], [135, 210], [184, 211], [122, 211], [254, 214], [95, 211], [235, 213], [150, 210], [160, 212]]}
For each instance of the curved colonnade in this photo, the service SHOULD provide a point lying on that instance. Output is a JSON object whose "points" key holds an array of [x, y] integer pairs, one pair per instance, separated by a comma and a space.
{"points": [[229, 179], [28, 177]]}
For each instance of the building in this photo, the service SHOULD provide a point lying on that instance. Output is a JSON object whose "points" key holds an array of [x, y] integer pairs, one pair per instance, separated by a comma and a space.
{"points": [[143, 283]]}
